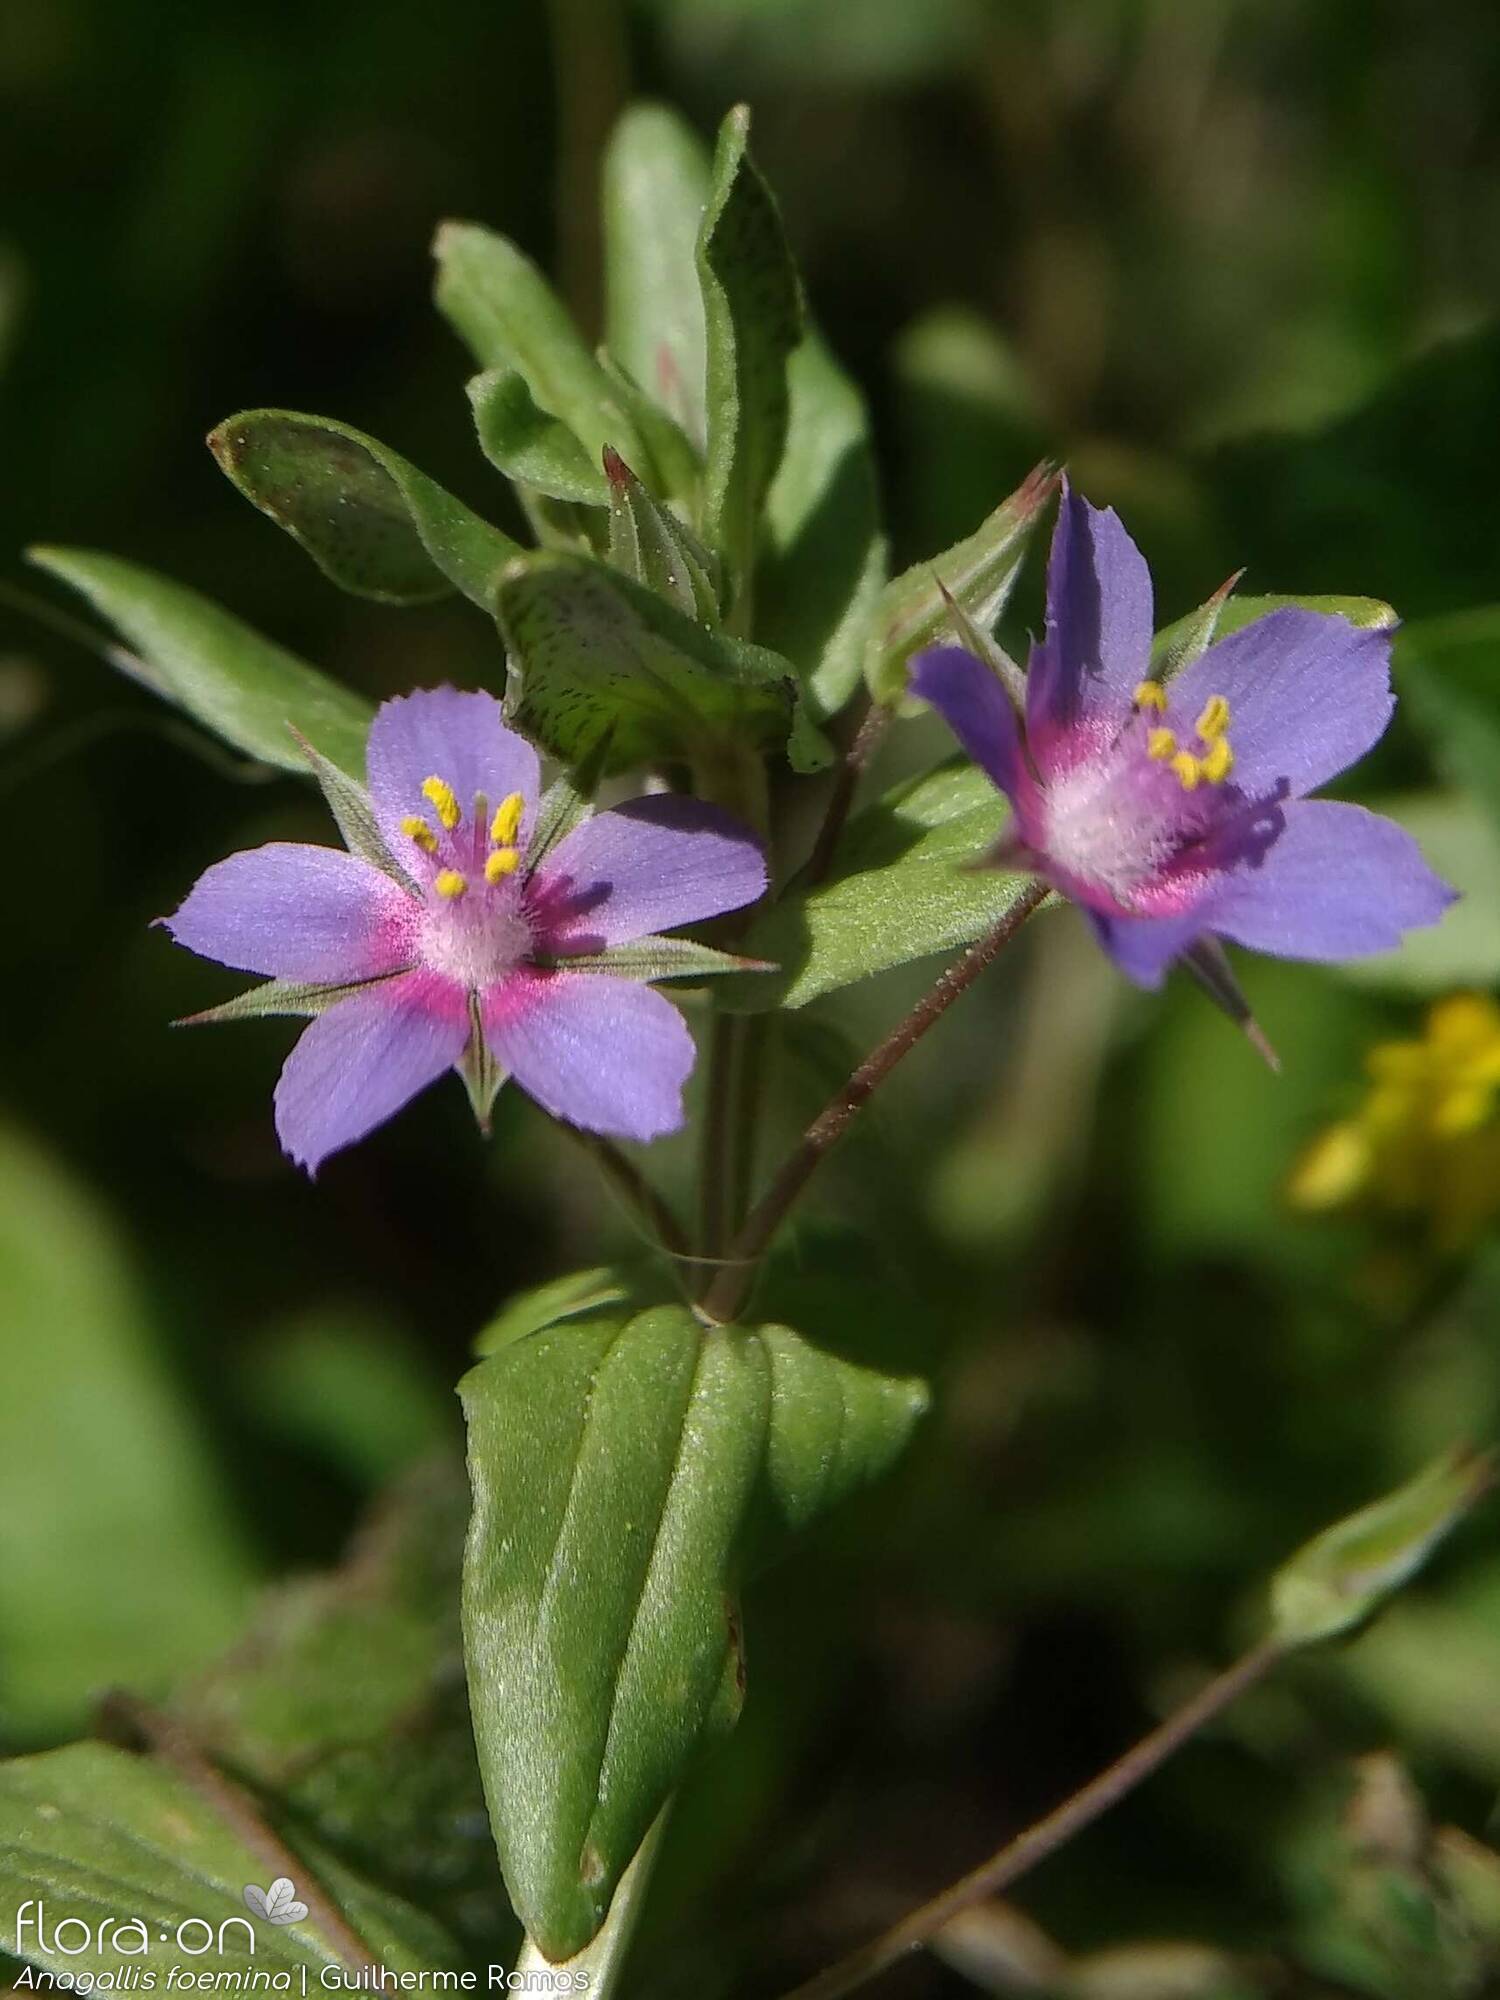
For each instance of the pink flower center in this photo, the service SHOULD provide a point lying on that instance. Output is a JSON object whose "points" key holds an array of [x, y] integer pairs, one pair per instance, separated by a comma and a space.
{"points": [[473, 927]]}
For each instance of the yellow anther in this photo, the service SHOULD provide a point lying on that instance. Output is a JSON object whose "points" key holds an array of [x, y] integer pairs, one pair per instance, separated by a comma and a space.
{"points": [[1161, 744], [502, 861], [1188, 770], [1218, 761], [507, 821], [443, 800], [1214, 720], [450, 885], [418, 830], [1151, 694]]}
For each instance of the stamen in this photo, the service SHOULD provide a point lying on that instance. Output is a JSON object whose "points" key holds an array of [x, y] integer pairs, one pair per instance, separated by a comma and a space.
{"points": [[502, 861], [1161, 744], [1188, 770], [442, 798], [450, 885], [1218, 762], [418, 830], [507, 821], [1214, 720], [1151, 694]]}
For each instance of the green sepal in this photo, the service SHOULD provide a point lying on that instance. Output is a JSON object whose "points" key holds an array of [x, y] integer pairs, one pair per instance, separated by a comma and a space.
{"points": [[530, 446], [371, 521], [652, 958], [349, 803], [280, 998], [656, 180], [677, 462], [567, 801], [225, 675], [482, 1075], [1177, 645], [752, 309], [824, 564], [624, 1468], [979, 573], [983, 644], [648, 543], [905, 885], [592, 651], [509, 316], [1344, 1575]]}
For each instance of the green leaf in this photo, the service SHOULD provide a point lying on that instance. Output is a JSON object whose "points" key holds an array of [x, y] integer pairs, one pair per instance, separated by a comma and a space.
{"points": [[344, 1708], [979, 573], [510, 317], [243, 687], [1446, 672], [1343, 1576], [548, 1305], [528, 445], [903, 888], [649, 543], [656, 187], [752, 308], [825, 567], [591, 652], [1177, 645], [619, 1464], [369, 520], [96, 1835], [94, 1429]]}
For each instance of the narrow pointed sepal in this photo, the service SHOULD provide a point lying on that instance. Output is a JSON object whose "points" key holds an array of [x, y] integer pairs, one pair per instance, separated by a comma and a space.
{"points": [[1209, 964], [353, 814], [982, 643], [482, 1075], [278, 998], [653, 958]]}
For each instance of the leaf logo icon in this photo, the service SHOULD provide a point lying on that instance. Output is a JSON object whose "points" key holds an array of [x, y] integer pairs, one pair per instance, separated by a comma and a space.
{"points": [[278, 1904]]}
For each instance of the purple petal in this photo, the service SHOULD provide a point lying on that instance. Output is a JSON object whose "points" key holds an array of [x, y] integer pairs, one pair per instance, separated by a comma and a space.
{"points": [[1097, 647], [643, 867], [296, 912], [1308, 694], [441, 733], [1144, 947], [972, 701], [1338, 882], [359, 1063], [599, 1052]]}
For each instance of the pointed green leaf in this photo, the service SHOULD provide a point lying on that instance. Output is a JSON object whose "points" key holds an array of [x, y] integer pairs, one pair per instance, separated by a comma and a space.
{"points": [[240, 685], [369, 520], [649, 543], [98, 1836], [504, 309], [1177, 645], [752, 307], [656, 187], [826, 563], [618, 1464], [592, 651], [904, 887], [978, 573], [547, 1305], [1344, 1575], [528, 445]]}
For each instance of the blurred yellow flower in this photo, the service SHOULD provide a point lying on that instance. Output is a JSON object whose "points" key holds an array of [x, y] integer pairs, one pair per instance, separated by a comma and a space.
{"points": [[1426, 1140]]}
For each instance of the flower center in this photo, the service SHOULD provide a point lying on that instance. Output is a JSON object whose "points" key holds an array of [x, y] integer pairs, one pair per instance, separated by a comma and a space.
{"points": [[474, 928], [1212, 762]]}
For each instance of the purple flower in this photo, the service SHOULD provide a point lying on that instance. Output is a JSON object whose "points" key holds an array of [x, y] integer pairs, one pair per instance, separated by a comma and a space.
{"points": [[458, 943], [1175, 814]]}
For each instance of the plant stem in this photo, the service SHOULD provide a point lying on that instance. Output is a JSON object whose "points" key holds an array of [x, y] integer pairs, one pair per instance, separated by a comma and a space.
{"points": [[167, 1739], [602, 1960], [867, 738], [1047, 1835], [627, 1180], [726, 1293]]}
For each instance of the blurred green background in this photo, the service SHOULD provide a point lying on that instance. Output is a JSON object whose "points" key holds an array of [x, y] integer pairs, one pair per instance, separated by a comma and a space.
{"points": [[1240, 263]]}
